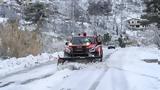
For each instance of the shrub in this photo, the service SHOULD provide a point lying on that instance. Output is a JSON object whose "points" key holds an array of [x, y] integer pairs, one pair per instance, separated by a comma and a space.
{"points": [[18, 43]]}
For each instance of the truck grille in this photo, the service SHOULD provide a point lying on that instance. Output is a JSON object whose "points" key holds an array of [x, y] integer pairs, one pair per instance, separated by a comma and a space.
{"points": [[80, 51]]}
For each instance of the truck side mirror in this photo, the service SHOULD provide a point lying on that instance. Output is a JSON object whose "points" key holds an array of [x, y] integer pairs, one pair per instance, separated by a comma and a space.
{"points": [[66, 43]]}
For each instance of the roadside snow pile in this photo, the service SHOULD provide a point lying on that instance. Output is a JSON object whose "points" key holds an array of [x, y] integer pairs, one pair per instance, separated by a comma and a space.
{"points": [[15, 65], [79, 66], [71, 66]]}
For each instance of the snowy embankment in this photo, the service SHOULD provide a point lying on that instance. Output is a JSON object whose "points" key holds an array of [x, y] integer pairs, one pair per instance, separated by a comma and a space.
{"points": [[15, 65]]}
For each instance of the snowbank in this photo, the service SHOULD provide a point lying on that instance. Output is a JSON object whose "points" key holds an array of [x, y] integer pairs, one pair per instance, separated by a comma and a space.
{"points": [[14, 65]]}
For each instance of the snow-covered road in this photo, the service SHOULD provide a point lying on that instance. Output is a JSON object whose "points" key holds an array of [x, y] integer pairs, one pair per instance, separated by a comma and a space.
{"points": [[122, 69]]}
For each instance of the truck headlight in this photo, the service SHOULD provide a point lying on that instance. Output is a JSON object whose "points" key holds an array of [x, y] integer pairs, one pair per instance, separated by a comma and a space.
{"points": [[87, 44]]}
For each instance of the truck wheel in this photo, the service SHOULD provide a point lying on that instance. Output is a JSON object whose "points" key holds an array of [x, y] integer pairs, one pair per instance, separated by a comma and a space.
{"points": [[100, 60]]}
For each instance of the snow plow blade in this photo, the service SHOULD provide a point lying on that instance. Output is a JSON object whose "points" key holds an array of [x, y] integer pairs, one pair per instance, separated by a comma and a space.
{"points": [[72, 59]]}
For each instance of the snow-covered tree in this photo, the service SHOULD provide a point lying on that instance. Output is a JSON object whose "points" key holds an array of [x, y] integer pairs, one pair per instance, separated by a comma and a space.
{"points": [[99, 8], [35, 13], [39, 13]]}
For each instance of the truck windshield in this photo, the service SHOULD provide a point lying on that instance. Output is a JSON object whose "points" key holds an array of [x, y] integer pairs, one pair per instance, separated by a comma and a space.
{"points": [[82, 40]]}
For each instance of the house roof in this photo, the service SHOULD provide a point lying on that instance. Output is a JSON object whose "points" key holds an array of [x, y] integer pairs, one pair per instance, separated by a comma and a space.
{"points": [[137, 19]]}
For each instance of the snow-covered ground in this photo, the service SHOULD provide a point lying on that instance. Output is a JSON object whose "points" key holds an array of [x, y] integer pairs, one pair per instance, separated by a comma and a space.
{"points": [[122, 69]]}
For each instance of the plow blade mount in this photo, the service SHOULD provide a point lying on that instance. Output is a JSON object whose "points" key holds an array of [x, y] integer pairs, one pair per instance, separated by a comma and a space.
{"points": [[62, 60]]}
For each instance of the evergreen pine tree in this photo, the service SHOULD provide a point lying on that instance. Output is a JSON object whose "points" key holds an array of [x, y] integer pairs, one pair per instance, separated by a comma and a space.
{"points": [[152, 11], [106, 38]]}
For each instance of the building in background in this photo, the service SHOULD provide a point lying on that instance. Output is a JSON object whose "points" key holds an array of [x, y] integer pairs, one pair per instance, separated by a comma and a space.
{"points": [[136, 24]]}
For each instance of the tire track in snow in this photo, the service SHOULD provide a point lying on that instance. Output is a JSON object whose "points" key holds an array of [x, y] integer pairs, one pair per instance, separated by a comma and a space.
{"points": [[96, 83], [34, 79], [27, 70], [6, 84], [26, 81], [98, 80], [22, 81]]}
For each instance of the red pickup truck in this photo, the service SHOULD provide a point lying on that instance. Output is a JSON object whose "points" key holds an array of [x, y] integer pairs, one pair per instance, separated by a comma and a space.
{"points": [[83, 47]]}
